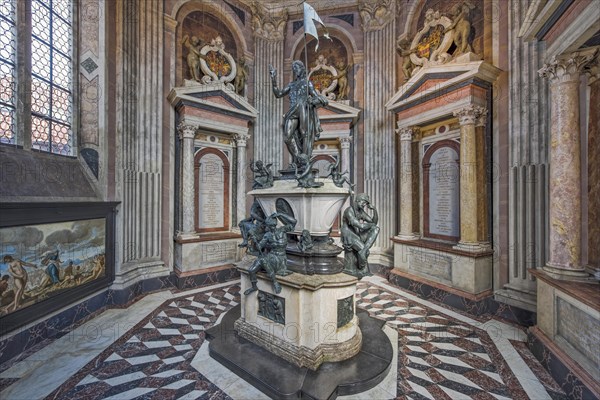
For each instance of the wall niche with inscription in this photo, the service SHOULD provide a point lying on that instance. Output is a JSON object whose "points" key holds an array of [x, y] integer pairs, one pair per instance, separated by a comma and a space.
{"points": [[212, 191], [441, 190]]}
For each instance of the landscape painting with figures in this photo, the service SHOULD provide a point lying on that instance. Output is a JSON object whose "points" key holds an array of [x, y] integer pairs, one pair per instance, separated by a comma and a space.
{"points": [[41, 261]]}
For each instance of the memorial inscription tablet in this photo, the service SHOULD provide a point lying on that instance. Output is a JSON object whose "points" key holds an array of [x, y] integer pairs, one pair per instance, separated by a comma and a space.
{"points": [[211, 192], [442, 191]]}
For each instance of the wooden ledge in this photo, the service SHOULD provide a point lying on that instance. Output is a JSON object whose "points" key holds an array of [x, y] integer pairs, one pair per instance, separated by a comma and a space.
{"points": [[181, 274], [445, 247], [587, 293], [210, 237]]}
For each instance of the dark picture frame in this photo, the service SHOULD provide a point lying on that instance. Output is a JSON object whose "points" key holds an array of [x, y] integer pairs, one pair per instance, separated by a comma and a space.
{"points": [[32, 214]]}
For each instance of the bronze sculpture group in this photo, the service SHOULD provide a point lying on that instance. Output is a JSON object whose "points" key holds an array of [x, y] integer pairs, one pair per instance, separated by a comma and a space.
{"points": [[261, 234]]}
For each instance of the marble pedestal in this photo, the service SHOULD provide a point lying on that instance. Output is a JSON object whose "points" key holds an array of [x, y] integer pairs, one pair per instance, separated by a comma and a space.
{"points": [[311, 321], [194, 253], [571, 324], [470, 272]]}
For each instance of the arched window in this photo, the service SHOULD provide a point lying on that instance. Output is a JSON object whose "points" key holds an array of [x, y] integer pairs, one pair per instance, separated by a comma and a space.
{"points": [[36, 76]]}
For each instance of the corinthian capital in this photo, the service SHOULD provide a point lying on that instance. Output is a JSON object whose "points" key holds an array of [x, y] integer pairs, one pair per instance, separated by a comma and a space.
{"points": [[376, 14], [241, 139], [266, 25], [569, 67], [186, 131], [408, 133], [470, 115]]}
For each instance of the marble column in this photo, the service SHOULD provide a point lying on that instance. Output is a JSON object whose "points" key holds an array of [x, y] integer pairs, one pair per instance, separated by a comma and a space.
{"points": [[565, 167], [481, 178], [241, 140], [186, 136], [345, 153], [593, 146], [269, 29], [408, 230], [469, 216], [377, 21]]}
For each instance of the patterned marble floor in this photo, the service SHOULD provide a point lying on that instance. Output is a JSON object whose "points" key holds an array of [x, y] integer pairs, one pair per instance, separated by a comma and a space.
{"points": [[442, 354]]}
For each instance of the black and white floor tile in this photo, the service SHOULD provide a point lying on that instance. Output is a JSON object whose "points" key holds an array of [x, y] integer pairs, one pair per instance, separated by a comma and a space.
{"points": [[156, 352]]}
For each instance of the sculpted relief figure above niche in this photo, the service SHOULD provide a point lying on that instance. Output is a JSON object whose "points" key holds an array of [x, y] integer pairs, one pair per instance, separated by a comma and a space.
{"points": [[209, 53], [444, 37], [330, 70], [209, 63]]}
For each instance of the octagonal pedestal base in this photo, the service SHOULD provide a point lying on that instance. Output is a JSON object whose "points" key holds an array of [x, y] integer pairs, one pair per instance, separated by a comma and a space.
{"points": [[281, 379]]}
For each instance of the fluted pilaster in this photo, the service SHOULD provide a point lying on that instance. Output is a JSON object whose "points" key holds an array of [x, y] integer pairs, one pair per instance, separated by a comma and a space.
{"points": [[240, 141], [269, 32], [406, 206], [379, 84], [140, 136], [565, 166]]}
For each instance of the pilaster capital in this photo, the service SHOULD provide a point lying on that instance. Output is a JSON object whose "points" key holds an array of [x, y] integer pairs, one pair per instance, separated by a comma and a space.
{"points": [[376, 15], [569, 67], [268, 25], [345, 141], [482, 118], [241, 139], [170, 23], [593, 70], [408, 133], [186, 131], [470, 114]]}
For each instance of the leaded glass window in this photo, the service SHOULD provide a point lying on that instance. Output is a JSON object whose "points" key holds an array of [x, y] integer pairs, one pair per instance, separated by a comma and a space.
{"points": [[51, 76], [7, 71], [44, 29]]}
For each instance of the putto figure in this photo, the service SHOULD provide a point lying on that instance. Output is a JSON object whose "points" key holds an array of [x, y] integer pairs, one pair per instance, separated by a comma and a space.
{"points": [[272, 258], [359, 231], [263, 176], [301, 126]]}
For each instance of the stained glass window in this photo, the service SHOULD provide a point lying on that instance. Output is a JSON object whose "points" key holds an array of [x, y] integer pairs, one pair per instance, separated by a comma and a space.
{"points": [[7, 71], [51, 76]]}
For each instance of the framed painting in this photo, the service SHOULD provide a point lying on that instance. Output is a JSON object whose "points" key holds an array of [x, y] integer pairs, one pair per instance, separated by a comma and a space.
{"points": [[52, 255]]}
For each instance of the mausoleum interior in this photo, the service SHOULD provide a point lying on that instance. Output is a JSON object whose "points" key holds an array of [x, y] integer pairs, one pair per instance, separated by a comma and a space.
{"points": [[253, 199]]}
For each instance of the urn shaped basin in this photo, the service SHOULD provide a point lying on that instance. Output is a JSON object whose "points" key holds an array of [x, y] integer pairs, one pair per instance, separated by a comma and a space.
{"points": [[314, 209]]}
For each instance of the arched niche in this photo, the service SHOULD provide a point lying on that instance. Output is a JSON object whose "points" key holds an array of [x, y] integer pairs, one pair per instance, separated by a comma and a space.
{"points": [[211, 188], [340, 49], [322, 162], [441, 191], [206, 21]]}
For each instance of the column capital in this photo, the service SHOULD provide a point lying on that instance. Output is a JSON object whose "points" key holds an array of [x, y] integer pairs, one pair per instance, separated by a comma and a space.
{"points": [[170, 23], [376, 15], [568, 67], [408, 133], [482, 119], [345, 141], [593, 71], [267, 25], [469, 114], [186, 131], [241, 139]]}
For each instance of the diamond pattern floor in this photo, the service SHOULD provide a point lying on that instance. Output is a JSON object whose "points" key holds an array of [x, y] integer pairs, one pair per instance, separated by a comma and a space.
{"points": [[440, 357]]}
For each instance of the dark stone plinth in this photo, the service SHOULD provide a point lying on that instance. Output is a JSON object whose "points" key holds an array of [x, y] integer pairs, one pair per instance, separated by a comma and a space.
{"points": [[320, 259], [280, 379]]}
